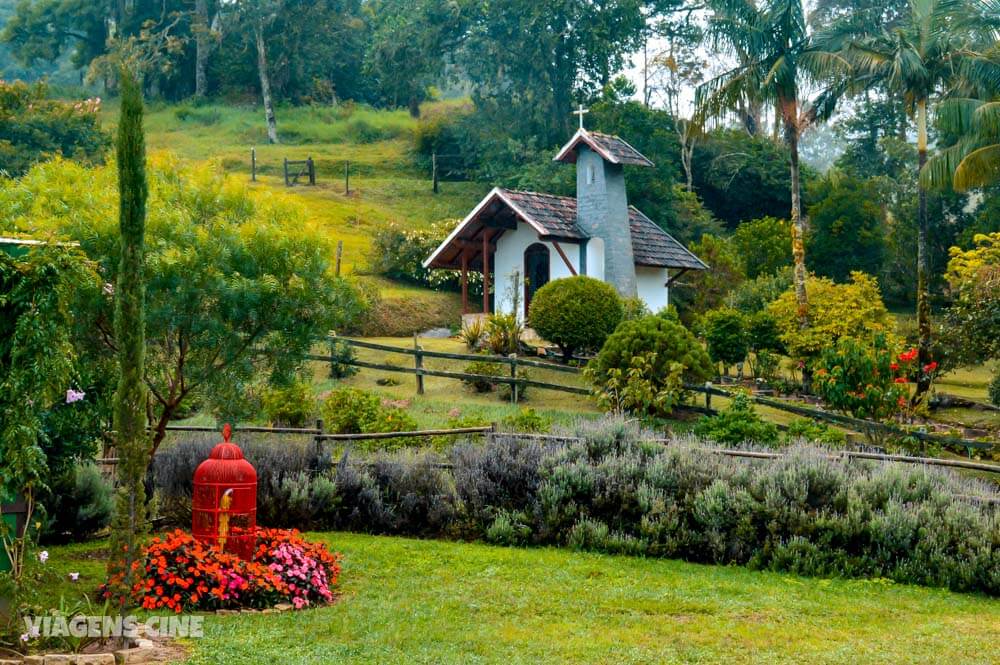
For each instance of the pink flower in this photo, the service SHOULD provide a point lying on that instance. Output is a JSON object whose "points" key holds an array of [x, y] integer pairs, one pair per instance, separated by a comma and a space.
{"points": [[43, 556], [74, 395], [74, 576]]}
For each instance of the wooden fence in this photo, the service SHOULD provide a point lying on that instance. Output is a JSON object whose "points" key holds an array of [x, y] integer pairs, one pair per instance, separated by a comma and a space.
{"points": [[708, 390]]}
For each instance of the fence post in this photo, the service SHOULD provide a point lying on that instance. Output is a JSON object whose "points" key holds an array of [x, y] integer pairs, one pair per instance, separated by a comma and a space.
{"points": [[312, 170], [513, 375], [434, 171], [286, 172], [418, 363], [253, 164], [708, 396], [340, 255], [347, 177], [318, 440]]}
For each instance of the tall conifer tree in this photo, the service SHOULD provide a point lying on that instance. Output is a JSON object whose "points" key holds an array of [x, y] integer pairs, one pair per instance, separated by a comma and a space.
{"points": [[131, 438]]}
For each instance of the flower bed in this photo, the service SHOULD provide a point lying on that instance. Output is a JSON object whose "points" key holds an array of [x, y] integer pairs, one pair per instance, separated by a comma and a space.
{"points": [[180, 573]]}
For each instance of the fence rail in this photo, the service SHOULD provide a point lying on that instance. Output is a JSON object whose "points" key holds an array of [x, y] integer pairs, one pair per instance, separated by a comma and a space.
{"points": [[418, 353]]}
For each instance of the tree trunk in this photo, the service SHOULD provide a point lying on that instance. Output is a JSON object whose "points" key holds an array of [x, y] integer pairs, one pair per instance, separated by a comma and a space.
{"points": [[798, 225], [923, 259], [201, 46], [414, 106], [265, 84]]}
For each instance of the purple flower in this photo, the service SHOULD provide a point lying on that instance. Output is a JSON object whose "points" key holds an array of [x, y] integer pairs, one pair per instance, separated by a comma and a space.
{"points": [[43, 556], [74, 576], [74, 395]]}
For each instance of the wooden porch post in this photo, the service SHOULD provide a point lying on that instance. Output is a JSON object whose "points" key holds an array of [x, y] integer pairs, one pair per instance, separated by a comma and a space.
{"points": [[465, 281], [486, 272]]}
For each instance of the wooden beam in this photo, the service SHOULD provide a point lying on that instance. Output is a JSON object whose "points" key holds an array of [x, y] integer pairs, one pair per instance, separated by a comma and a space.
{"points": [[486, 271], [465, 281], [670, 282], [565, 259]]}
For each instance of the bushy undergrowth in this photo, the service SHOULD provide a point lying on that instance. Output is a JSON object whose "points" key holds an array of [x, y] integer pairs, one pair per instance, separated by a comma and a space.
{"points": [[614, 490]]}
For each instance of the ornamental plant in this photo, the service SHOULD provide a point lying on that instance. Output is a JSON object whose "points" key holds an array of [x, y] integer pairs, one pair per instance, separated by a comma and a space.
{"points": [[576, 313], [175, 572], [863, 379], [726, 335]]}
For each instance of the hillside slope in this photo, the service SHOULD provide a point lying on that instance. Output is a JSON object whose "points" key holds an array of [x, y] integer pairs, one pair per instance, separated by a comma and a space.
{"points": [[386, 183]]}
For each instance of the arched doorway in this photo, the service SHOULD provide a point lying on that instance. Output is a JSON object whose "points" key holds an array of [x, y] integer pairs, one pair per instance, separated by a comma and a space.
{"points": [[536, 271]]}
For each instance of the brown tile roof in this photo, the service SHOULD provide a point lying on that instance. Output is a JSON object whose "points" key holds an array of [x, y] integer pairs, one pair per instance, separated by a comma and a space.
{"points": [[651, 245], [612, 148]]}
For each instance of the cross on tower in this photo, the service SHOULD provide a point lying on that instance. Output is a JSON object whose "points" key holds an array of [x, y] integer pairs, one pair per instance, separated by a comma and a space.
{"points": [[581, 112]]}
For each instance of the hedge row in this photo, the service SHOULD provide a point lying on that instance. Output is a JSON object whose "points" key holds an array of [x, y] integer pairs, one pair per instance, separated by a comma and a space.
{"points": [[612, 492]]}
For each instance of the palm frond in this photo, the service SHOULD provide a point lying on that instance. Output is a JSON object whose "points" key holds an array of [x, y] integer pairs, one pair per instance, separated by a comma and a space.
{"points": [[980, 167]]}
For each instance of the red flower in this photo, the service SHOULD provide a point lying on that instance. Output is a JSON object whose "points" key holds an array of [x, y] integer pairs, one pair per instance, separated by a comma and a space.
{"points": [[930, 367], [894, 366], [900, 379]]}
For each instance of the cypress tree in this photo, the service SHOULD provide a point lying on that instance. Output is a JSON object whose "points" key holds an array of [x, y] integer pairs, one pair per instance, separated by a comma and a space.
{"points": [[131, 439]]}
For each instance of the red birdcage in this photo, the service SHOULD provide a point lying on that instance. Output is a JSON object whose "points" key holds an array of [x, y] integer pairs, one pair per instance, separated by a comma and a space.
{"points": [[224, 504]]}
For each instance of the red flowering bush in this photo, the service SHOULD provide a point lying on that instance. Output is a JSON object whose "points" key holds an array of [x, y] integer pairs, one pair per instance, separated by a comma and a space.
{"points": [[180, 573], [862, 379]]}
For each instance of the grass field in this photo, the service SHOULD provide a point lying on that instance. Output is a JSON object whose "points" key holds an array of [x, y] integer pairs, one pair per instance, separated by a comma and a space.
{"points": [[412, 601]]}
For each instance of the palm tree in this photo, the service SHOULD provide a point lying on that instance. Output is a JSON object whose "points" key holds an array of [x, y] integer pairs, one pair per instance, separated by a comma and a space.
{"points": [[974, 161], [776, 60], [920, 58]]}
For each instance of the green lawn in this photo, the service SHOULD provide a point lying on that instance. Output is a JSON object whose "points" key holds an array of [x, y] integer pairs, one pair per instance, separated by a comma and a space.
{"points": [[408, 600]]}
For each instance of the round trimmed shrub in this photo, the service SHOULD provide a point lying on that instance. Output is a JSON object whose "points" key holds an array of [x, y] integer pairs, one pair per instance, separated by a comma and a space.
{"points": [[576, 313], [666, 337]]}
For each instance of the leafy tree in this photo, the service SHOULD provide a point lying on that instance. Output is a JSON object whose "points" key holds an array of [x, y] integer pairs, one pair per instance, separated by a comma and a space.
{"points": [[527, 59], [846, 228], [33, 128], [741, 177], [131, 440], [408, 47], [763, 244], [37, 357], [704, 290], [854, 309], [737, 425], [974, 317], [238, 284], [922, 54], [726, 336], [576, 313], [776, 59]]}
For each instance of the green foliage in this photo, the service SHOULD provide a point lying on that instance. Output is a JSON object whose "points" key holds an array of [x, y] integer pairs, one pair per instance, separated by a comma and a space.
{"points": [[846, 228], [399, 253], [634, 308], [857, 377], [737, 425], [852, 310], [576, 313], [815, 431], [727, 336], [238, 283], [354, 411], [763, 333], [754, 295], [503, 333], [78, 505], [638, 389], [764, 365], [741, 177], [34, 128], [132, 441], [341, 354], [473, 333], [704, 290], [765, 245], [974, 317], [994, 389], [526, 420], [289, 406], [660, 341], [483, 368]]}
